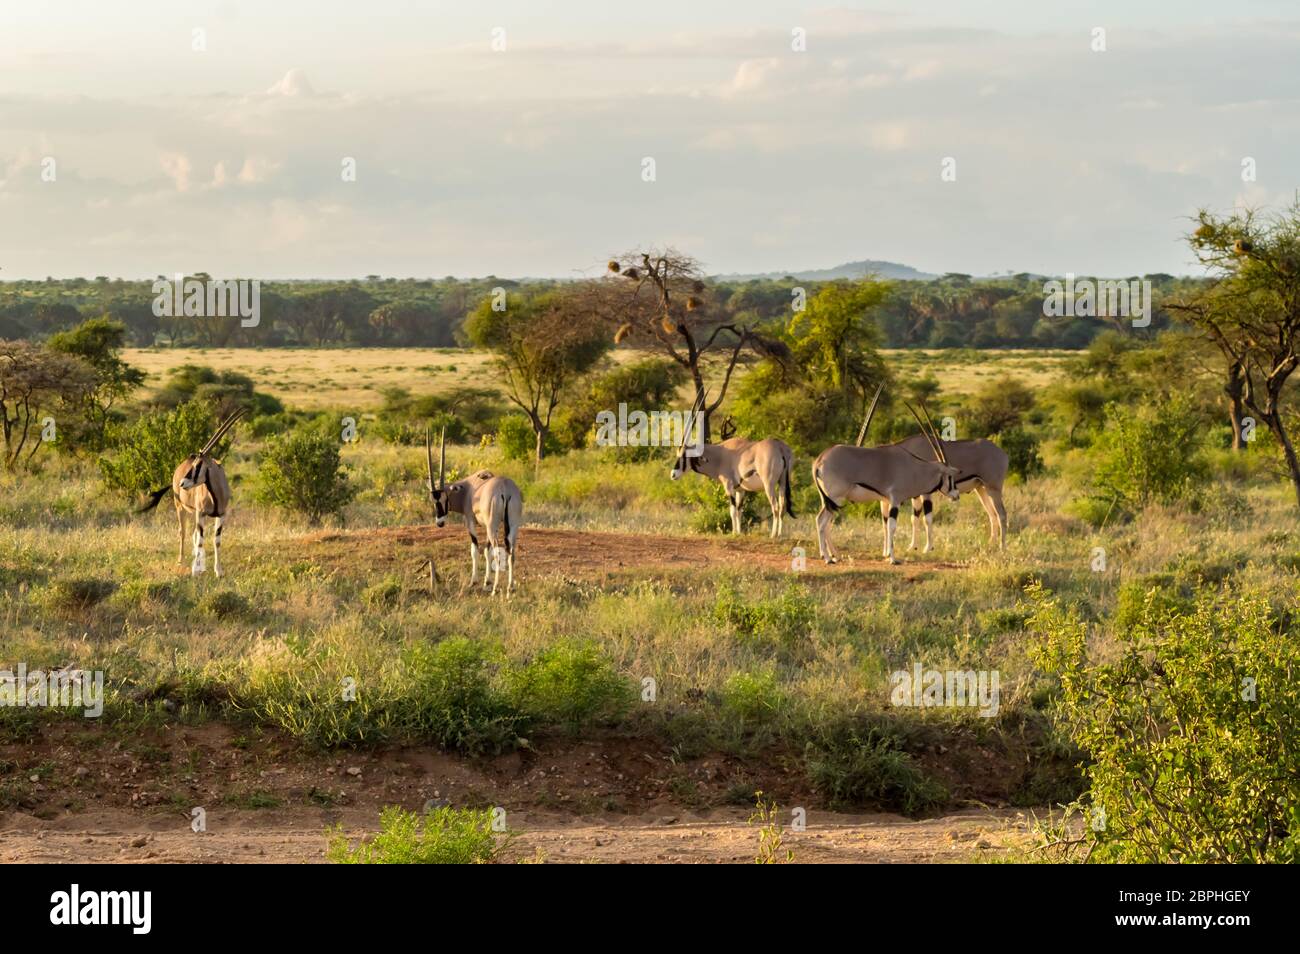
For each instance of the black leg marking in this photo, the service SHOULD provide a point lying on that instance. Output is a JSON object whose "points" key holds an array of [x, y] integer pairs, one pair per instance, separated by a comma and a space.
{"points": [[893, 513], [928, 507]]}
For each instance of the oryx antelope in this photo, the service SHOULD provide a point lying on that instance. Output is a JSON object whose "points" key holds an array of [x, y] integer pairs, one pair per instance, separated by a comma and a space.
{"points": [[740, 465], [493, 509], [199, 486], [849, 474], [984, 470]]}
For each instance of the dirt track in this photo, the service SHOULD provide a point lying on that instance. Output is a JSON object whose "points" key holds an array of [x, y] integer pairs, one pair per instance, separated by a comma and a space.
{"points": [[81, 793], [717, 837]]}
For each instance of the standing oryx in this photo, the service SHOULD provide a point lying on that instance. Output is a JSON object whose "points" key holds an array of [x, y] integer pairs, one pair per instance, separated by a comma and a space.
{"points": [[984, 470], [493, 509], [890, 474], [199, 486], [740, 465]]}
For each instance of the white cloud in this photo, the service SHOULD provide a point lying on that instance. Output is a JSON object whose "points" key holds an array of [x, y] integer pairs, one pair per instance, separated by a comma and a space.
{"points": [[527, 162]]}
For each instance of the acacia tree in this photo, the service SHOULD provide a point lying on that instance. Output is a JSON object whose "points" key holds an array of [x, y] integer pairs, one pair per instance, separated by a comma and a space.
{"points": [[1251, 313], [541, 344], [33, 378], [659, 299], [98, 342]]}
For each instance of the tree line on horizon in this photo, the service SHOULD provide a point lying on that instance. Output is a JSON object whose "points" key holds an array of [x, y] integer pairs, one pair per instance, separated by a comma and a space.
{"points": [[953, 311]]}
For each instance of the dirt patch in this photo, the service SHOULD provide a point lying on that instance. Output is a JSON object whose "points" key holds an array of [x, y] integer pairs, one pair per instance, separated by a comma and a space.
{"points": [[587, 555]]}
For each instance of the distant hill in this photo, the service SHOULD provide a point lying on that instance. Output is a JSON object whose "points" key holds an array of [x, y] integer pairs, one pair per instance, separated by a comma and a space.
{"points": [[847, 270]]}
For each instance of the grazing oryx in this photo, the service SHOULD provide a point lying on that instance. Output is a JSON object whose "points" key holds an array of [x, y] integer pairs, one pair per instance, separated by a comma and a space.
{"points": [[740, 465], [493, 509], [890, 474], [984, 469], [199, 486]]}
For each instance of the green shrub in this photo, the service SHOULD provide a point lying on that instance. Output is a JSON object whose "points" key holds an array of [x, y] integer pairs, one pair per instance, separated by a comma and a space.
{"points": [[302, 472], [1021, 448], [708, 500], [753, 698], [452, 699], [1193, 732], [385, 593], [647, 385], [1149, 454], [785, 620], [149, 450], [572, 684], [1096, 511], [853, 766], [1148, 595], [517, 441], [442, 836]]}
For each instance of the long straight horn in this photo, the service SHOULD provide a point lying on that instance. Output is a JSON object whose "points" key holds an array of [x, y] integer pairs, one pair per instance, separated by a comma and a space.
{"points": [[938, 454], [221, 431], [862, 434], [428, 454], [442, 457], [689, 419], [938, 441]]}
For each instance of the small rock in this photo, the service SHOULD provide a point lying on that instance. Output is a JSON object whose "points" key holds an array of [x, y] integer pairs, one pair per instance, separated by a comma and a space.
{"points": [[354, 771], [140, 841]]}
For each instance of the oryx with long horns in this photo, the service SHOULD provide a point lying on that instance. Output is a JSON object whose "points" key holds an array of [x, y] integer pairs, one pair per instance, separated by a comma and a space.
{"points": [[740, 465], [984, 470], [492, 506], [199, 487], [849, 474]]}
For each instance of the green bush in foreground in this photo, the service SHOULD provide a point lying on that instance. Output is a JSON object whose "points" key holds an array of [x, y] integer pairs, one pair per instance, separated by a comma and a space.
{"points": [[1193, 732], [452, 698], [851, 766], [573, 684], [442, 836]]}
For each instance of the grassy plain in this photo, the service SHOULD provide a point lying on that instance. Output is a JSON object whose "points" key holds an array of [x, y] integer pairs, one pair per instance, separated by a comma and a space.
{"points": [[629, 629]]}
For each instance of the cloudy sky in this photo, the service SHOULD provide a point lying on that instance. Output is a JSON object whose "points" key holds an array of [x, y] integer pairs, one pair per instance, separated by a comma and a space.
{"points": [[528, 161]]}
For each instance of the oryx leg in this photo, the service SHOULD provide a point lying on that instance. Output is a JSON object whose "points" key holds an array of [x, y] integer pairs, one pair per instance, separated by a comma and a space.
{"points": [[180, 526], [737, 502], [217, 523], [773, 491], [997, 513], [487, 549], [927, 508], [884, 527], [510, 567], [891, 523], [198, 564], [824, 520], [473, 559]]}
